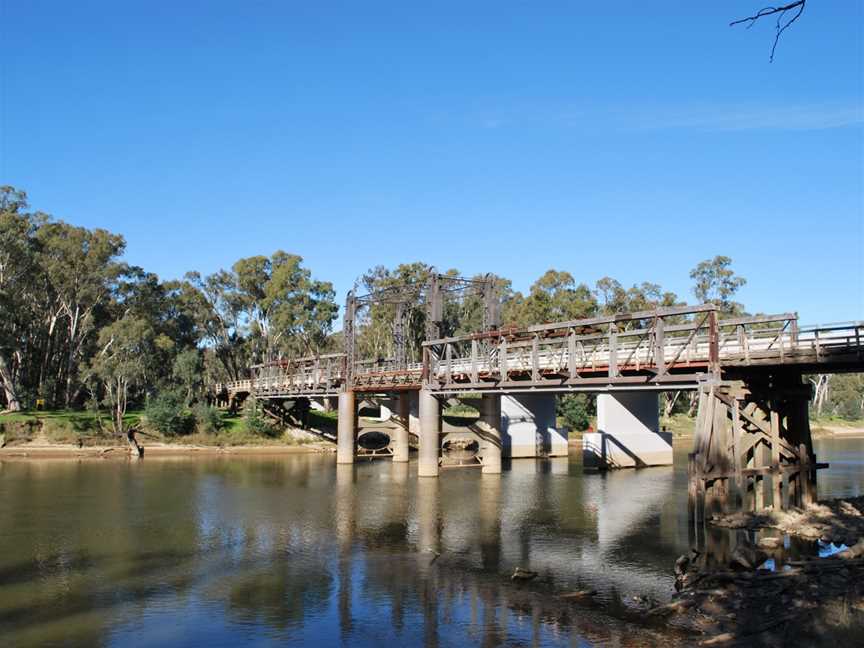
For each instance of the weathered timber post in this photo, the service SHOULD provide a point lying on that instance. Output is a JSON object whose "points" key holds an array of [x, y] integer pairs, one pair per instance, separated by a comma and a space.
{"points": [[400, 435], [346, 428], [759, 479], [430, 427], [613, 350], [691, 485], [776, 475], [713, 344], [805, 477], [490, 427]]}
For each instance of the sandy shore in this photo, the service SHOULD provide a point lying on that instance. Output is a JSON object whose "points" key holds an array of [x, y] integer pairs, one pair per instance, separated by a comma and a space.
{"points": [[52, 451]]}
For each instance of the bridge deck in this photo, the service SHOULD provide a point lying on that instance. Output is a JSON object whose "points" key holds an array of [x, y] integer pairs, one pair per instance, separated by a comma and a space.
{"points": [[658, 350]]}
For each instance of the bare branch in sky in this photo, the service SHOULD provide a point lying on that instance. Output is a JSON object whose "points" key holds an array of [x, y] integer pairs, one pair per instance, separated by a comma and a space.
{"points": [[786, 15]]}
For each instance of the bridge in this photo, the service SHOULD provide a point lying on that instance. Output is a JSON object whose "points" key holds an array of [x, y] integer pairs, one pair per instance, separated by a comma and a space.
{"points": [[752, 440]]}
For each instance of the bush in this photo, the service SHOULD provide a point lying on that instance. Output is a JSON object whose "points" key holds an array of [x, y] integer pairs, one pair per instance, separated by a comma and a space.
{"points": [[576, 410], [256, 421], [208, 419], [166, 414]]}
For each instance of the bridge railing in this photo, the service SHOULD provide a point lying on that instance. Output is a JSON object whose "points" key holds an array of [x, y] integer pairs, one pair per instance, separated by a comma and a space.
{"points": [[316, 373], [585, 350], [842, 337], [381, 373], [666, 345]]}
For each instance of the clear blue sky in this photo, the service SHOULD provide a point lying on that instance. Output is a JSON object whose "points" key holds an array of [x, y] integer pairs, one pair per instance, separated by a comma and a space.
{"points": [[630, 139]]}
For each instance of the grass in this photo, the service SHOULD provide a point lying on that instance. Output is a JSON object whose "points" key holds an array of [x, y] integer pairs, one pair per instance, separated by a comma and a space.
{"points": [[60, 426], [87, 428]]}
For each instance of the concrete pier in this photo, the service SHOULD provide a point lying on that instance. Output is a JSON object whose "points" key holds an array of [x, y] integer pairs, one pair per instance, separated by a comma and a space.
{"points": [[490, 430], [430, 426], [346, 428], [628, 433], [529, 428], [400, 422]]}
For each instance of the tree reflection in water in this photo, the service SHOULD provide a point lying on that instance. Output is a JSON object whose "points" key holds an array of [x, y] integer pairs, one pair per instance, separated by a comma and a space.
{"points": [[295, 549]]}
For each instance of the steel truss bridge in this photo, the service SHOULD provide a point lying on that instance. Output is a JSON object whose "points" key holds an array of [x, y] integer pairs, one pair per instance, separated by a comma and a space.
{"points": [[752, 433], [659, 350]]}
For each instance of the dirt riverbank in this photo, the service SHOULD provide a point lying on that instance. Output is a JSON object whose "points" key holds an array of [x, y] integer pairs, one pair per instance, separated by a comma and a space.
{"points": [[757, 594], [38, 450]]}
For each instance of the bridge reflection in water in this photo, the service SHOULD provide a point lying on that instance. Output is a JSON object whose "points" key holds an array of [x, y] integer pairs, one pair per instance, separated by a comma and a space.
{"points": [[267, 550]]}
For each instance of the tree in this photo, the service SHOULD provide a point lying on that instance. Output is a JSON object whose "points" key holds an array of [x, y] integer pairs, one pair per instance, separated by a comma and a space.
{"points": [[17, 288], [263, 309], [717, 283], [81, 268], [122, 364], [188, 370], [554, 297]]}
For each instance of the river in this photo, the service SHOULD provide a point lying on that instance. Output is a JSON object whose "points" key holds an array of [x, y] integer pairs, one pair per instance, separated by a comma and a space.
{"points": [[296, 550]]}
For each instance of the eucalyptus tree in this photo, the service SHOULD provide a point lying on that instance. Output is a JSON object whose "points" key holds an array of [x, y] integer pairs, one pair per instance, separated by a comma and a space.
{"points": [[81, 268], [17, 287], [126, 360], [554, 297], [717, 283], [262, 309]]}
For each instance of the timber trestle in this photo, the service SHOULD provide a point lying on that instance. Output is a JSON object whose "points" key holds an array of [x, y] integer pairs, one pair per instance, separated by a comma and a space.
{"points": [[752, 446]]}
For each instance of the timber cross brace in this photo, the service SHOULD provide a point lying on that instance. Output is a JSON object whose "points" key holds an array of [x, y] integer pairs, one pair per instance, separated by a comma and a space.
{"points": [[751, 436]]}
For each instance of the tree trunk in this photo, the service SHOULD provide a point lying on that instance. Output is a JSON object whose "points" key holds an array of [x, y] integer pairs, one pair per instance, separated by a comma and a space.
{"points": [[12, 403]]}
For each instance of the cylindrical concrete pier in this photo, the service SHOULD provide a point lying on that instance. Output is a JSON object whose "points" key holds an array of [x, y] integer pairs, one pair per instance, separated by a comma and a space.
{"points": [[430, 426], [490, 426], [346, 428], [400, 431]]}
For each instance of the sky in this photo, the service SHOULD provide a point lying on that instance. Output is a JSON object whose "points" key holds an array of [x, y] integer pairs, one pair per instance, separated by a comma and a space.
{"points": [[628, 139]]}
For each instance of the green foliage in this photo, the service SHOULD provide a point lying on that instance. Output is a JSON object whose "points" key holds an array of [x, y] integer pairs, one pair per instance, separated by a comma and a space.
{"points": [[188, 372], [845, 397], [208, 419], [717, 283], [576, 410], [255, 421], [167, 414]]}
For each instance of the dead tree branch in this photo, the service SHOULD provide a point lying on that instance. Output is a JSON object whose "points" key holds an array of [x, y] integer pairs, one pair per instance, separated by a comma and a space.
{"points": [[784, 21]]}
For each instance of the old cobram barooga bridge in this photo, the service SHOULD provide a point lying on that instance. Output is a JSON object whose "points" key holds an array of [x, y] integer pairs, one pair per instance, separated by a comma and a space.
{"points": [[752, 440]]}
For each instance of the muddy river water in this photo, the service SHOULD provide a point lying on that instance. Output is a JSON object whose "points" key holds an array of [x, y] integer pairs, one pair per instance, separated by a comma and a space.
{"points": [[296, 550]]}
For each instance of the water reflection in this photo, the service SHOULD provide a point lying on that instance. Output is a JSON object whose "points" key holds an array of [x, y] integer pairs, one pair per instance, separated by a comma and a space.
{"points": [[297, 549]]}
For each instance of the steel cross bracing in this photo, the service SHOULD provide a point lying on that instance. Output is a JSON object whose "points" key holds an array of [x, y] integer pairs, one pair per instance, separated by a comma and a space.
{"points": [[673, 348]]}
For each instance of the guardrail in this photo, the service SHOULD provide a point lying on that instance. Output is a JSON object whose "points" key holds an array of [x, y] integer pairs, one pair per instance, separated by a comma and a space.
{"points": [[664, 346]]}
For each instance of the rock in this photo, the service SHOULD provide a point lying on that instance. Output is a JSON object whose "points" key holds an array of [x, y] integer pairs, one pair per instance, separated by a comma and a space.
{"points": [[523, 575], [579, 594], [855, 551], [747, 557], [770, 543]]}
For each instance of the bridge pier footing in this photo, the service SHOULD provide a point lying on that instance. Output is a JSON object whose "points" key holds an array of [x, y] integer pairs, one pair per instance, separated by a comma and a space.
{"points": [[400, 431], [346, 428], [628, 433], [430, 427], [490, 430]]}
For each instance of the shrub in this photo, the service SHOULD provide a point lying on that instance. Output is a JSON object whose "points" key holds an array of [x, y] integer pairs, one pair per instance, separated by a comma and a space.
{"points": [[256, 421], [575, 409], [166, 414], [208, 419]]}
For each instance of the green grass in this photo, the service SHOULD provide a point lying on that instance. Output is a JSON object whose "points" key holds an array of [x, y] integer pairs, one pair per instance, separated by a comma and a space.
{"points": [[73, 426], [60, 426], [680, 425]]}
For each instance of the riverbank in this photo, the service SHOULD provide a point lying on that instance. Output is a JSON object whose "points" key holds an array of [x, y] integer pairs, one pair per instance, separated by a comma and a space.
{"points": [[37, 450], [762, 593], [71, 433]]}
